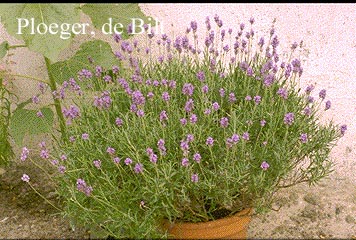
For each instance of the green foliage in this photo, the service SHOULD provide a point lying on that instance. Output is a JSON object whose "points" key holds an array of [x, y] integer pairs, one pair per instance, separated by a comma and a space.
{"points": [[25, 121], [4, 47], [6, 152], [104, 190], [120, 13], [100, 53], [46, 44]]}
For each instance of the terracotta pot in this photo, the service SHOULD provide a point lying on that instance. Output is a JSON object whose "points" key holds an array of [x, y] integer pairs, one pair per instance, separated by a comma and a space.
{"points": [[231, 227]]}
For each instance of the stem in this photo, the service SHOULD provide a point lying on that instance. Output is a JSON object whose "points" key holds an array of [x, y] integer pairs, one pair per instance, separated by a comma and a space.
{"points": [[44, 198], [57, 104], [30, 77], [17, 46]]}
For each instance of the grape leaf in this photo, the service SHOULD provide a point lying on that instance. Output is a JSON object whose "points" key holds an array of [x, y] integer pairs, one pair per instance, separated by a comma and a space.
{"points": [[119, 13], [25, 121], [49, 45], [99, 51]]}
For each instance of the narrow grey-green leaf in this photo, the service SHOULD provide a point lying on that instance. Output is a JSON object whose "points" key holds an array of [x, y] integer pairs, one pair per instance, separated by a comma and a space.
{"points": [[15, 17], [99, 51], [4, 47], [119, 14], [25, 121]]}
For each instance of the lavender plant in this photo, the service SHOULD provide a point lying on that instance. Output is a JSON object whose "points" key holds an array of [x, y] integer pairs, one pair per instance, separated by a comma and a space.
{"points": [[197, 133]]}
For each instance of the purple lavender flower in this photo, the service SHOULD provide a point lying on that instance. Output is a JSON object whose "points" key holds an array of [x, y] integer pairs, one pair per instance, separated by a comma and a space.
{"points": [[252, 20], [140, 113], [138, 168], [246, 136], [283, 93], [118, 122], [128, 161], [97, 163], [63, 157], [343, 129], [190, 137], [264, 165], [163, 116], [232, 97], [165, 96], [188, 89], [289, 118], [153, 158], [183, 121], [24, 153], [25, 178], [110, 150], [172, 84], [61, 169], [216, 106], [150, 95], [138, 98], [161, 146], [115, 69], [307, 111], [185, 162], [39, 114], [235, 138], [189, 105], [224, 122], [327, 105], [197, 157], [249, 72], [193, 118], [309, 89], [85, 136], [248, 98], [222, 92], [257, 99], [294, 45], [71, 138], [184, 145], [207, 111], [205, 89], [116, 160], [195, 178], [201, 76], [44, 154], [54, 162], [303, 137], [104, 101], [263, 122], [268, 79], [35, 100], [310, 99], [322, 94], [194, 25], [117, 37], [261, 42], [209, 141]]}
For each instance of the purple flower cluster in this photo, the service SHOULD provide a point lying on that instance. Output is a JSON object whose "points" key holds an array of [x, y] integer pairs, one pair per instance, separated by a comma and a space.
{"points": [[188, 89], [289, 118], [161, 147], [104, 101], [83, 187], [153, 157], [24, 153], [71, 113], [233, 140]]}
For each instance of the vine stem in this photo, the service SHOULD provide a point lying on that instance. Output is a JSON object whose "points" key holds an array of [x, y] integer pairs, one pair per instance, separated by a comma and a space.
{"points": [[57, 104]]}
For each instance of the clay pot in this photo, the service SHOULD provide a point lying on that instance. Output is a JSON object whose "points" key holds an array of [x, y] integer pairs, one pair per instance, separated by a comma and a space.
{"points": [[234, 227]]}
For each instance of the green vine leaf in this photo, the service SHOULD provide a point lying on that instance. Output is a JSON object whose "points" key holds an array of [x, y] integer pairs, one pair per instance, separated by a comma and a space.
{"points": [[119, 13], [14, 16], [25, 121], [99, 51], [4, 47]]}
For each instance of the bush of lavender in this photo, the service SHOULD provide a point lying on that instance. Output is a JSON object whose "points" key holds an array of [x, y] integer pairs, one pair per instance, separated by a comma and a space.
{"points": [[197, 133]]}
